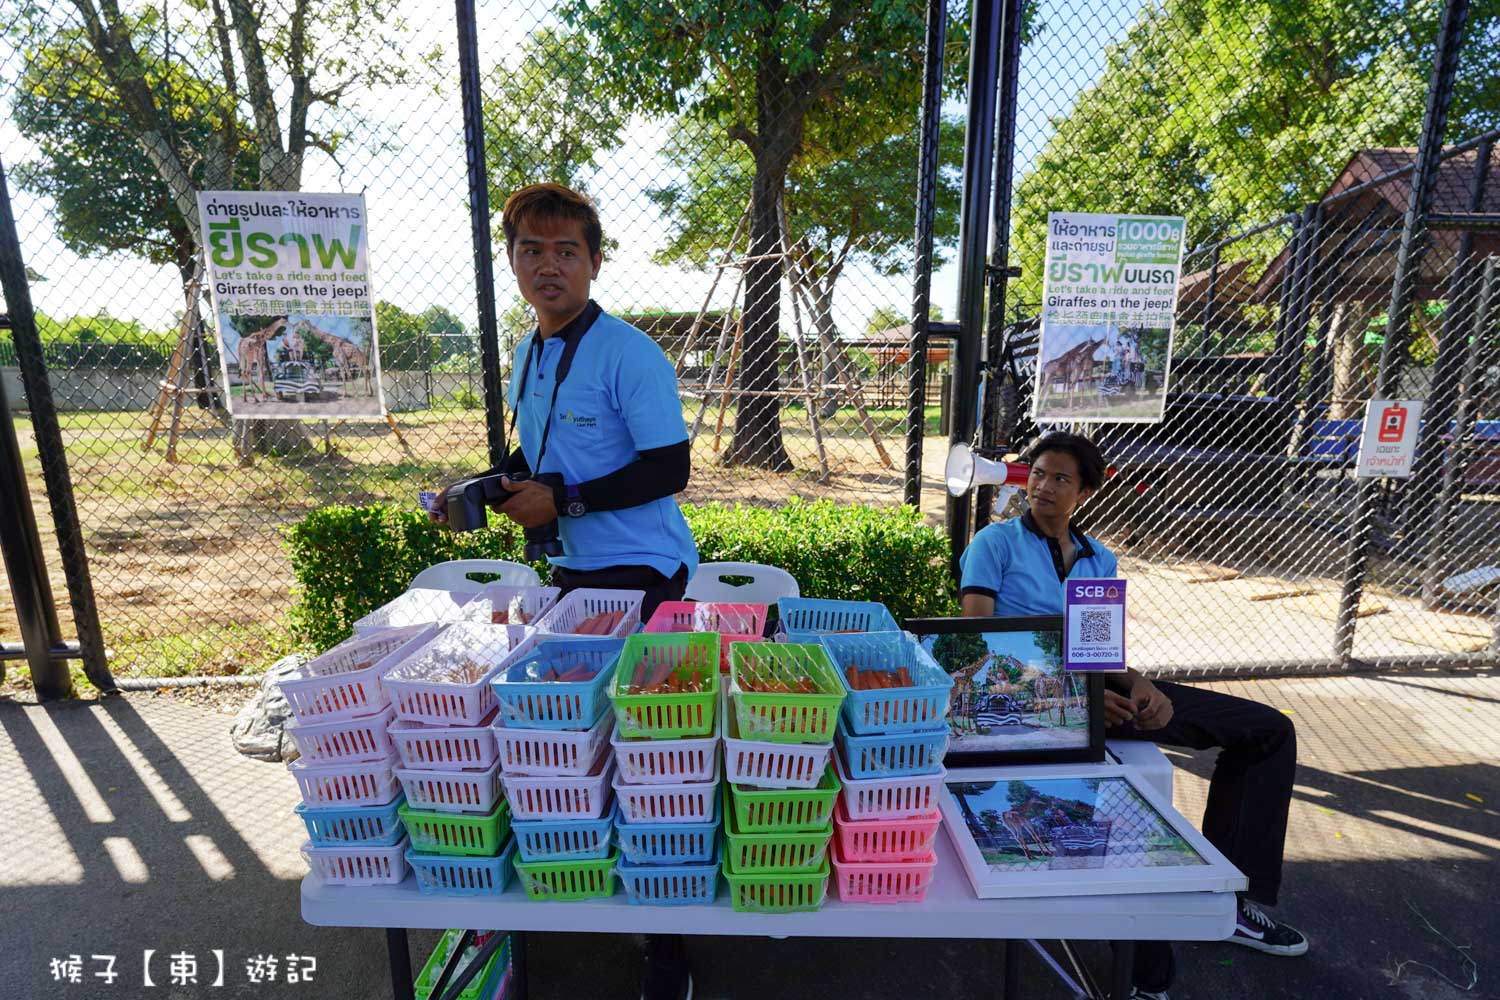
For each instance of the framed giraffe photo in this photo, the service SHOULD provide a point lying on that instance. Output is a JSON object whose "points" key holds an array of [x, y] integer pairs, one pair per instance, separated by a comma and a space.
{"points": [[1011, 701]]}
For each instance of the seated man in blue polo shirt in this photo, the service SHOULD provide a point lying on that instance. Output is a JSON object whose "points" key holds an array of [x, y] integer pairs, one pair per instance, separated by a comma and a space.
{"points": [[1018, 567]]}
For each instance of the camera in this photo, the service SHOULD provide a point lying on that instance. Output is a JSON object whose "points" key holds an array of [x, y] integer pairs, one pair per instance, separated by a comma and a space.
{"points": [[470, 500]]}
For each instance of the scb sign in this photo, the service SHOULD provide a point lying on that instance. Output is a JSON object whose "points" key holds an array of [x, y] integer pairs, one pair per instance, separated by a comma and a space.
{"points": [[1094, 625]]}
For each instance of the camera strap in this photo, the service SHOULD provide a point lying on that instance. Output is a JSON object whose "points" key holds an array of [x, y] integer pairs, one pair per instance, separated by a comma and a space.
{"points": [[564, 365]]}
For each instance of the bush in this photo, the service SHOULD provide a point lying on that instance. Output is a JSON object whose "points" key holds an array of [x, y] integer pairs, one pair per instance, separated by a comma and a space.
{"points": [[350, 560]]}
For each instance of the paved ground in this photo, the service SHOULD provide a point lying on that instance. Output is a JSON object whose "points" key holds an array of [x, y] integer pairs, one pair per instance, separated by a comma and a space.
{"points": [[133, 825]]}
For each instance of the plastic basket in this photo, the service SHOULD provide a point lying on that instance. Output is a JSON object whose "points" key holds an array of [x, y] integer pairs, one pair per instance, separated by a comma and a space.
{"points": [[561, 752], [555, 881], [778, 717], [497, 597], [418, 606], [365, 737], [528, 702], [921, 705], [577, 606], [552, 797], [802, 850], [885, 839], [457, 834], [358, 783], [776, 892], [346, 682], [419, 690], [687, 802], [805, 618], [357, 864], [673, 715], [772, 765], [452, 876], [487, 985], [670, 885], [378, 826], [882, 881], [473, 792], [668, 843], [892, 756], [890, 798], [733, 622], [563, 839], [759, 810], [656, 762], [443, 748]]}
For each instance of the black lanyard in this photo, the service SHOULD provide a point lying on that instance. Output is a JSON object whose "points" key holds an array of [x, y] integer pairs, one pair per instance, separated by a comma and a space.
{"points": [[564, 365]]}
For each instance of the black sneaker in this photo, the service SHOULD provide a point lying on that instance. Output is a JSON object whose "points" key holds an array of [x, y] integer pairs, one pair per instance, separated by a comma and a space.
{"points": [[1255, 929]]}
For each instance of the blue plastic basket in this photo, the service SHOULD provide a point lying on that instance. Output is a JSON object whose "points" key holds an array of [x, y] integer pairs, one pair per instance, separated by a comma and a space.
{"points": [[922, 705], [805, 618], [564, 839], [450, 876], [893, 755], [339, 826], [526, 702], [670, 885], [668, 843]]}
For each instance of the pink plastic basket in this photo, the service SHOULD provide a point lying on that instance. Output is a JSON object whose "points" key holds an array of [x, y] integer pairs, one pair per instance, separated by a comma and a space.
{"points": [[771, 765], [561, 752], [688, 802], [577, 606], [882, 881], [363, 738], [889, 798], [733, 622], [347, 681], [357, 864], [669, 762], [552, 797], [358, 783], [451, 791], [866, 840], [444, 748], [418, 685]]}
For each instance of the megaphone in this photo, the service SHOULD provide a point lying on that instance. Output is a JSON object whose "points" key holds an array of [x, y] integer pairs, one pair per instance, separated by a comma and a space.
{"points": [[967, 470]]}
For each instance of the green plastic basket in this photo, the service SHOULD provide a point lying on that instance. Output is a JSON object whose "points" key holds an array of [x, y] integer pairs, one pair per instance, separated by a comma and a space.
{"points": [[667, 716], [784, 810], [794, 851], [457, 834], [559, 881], [776, 892], [481, 987], [785, 718]]}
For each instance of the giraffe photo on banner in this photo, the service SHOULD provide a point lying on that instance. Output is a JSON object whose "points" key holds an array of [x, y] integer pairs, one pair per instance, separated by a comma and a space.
{"points": [[1109, 297], [289, 279]]}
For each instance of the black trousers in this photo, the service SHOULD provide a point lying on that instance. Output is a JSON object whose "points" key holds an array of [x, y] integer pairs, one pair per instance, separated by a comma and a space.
{"points": [[658, 588], [1249, 794]]}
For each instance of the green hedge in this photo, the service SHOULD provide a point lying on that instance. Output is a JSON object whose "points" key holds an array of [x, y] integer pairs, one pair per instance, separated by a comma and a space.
{"points": [[350, 560]]}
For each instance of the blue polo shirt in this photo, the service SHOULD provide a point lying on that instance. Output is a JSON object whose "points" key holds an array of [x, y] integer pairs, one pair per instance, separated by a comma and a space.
{"points": [[618, 399], [1021, 568]]}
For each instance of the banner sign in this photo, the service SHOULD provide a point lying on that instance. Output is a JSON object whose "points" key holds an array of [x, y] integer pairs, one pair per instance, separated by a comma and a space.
{"points": [[1389, 442], [1109, 301], [1094, 625], [289, 278]]}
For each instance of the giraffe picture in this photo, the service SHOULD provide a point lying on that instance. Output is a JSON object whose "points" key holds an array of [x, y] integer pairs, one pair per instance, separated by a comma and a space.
{"points": [[300, 364]]}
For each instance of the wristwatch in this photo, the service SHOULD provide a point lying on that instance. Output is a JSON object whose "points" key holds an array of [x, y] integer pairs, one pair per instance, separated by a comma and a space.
{"points": [[575, 505]]}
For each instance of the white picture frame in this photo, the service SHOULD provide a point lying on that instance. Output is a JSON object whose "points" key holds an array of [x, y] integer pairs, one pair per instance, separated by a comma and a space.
{"points": [[1214, 874]]}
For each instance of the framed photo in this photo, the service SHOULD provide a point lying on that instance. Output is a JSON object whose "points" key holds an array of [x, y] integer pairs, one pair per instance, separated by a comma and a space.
{"points": [[1071, 831], [1012, 702]]}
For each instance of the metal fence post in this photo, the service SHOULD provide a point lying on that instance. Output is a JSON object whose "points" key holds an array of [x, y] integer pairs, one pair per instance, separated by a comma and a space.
{"points": [[1414, 243]]}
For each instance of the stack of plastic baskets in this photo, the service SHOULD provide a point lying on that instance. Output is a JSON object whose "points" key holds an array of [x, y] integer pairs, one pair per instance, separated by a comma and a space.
{"points": [[341, 725], [668, 719], [732, 622], [455, 814], [804, 619], [892, 736], [490, 983], [780, 787], [552, 734]]}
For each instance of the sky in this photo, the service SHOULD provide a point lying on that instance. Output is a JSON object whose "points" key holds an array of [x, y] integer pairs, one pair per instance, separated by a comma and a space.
{"points": [[415, 184]]}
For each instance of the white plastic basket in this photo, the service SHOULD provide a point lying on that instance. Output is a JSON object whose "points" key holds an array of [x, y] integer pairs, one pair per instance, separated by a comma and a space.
{"points": [[357, 865], [771, 765], [364, 738], [559, 752], [418, 606], [347, 681], [356, 783], [889, 798], [669, 762], [553, 797], [685, 802], [451, 791], [443, 748], [576, 607], [497, 597], [422, 688]]}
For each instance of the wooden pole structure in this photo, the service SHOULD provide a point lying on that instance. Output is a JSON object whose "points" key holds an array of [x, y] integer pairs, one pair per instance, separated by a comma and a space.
{"points": [[807, 388]]}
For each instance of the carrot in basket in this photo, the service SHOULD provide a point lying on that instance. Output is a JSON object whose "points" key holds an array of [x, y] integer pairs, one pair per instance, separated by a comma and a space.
{"points": [[639, 679], [695, 682], [904, 677]]}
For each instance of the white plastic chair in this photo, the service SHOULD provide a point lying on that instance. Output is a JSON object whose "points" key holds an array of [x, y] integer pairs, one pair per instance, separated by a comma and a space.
{"points": [[768, 584], [454, 574]]}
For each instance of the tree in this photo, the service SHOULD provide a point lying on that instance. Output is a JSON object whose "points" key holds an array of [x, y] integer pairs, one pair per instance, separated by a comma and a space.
{"points": [[957, 650], [775, 76]]}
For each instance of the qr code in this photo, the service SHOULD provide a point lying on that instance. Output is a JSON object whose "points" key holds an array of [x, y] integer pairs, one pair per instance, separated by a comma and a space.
{"points": [[1096, 625]]}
